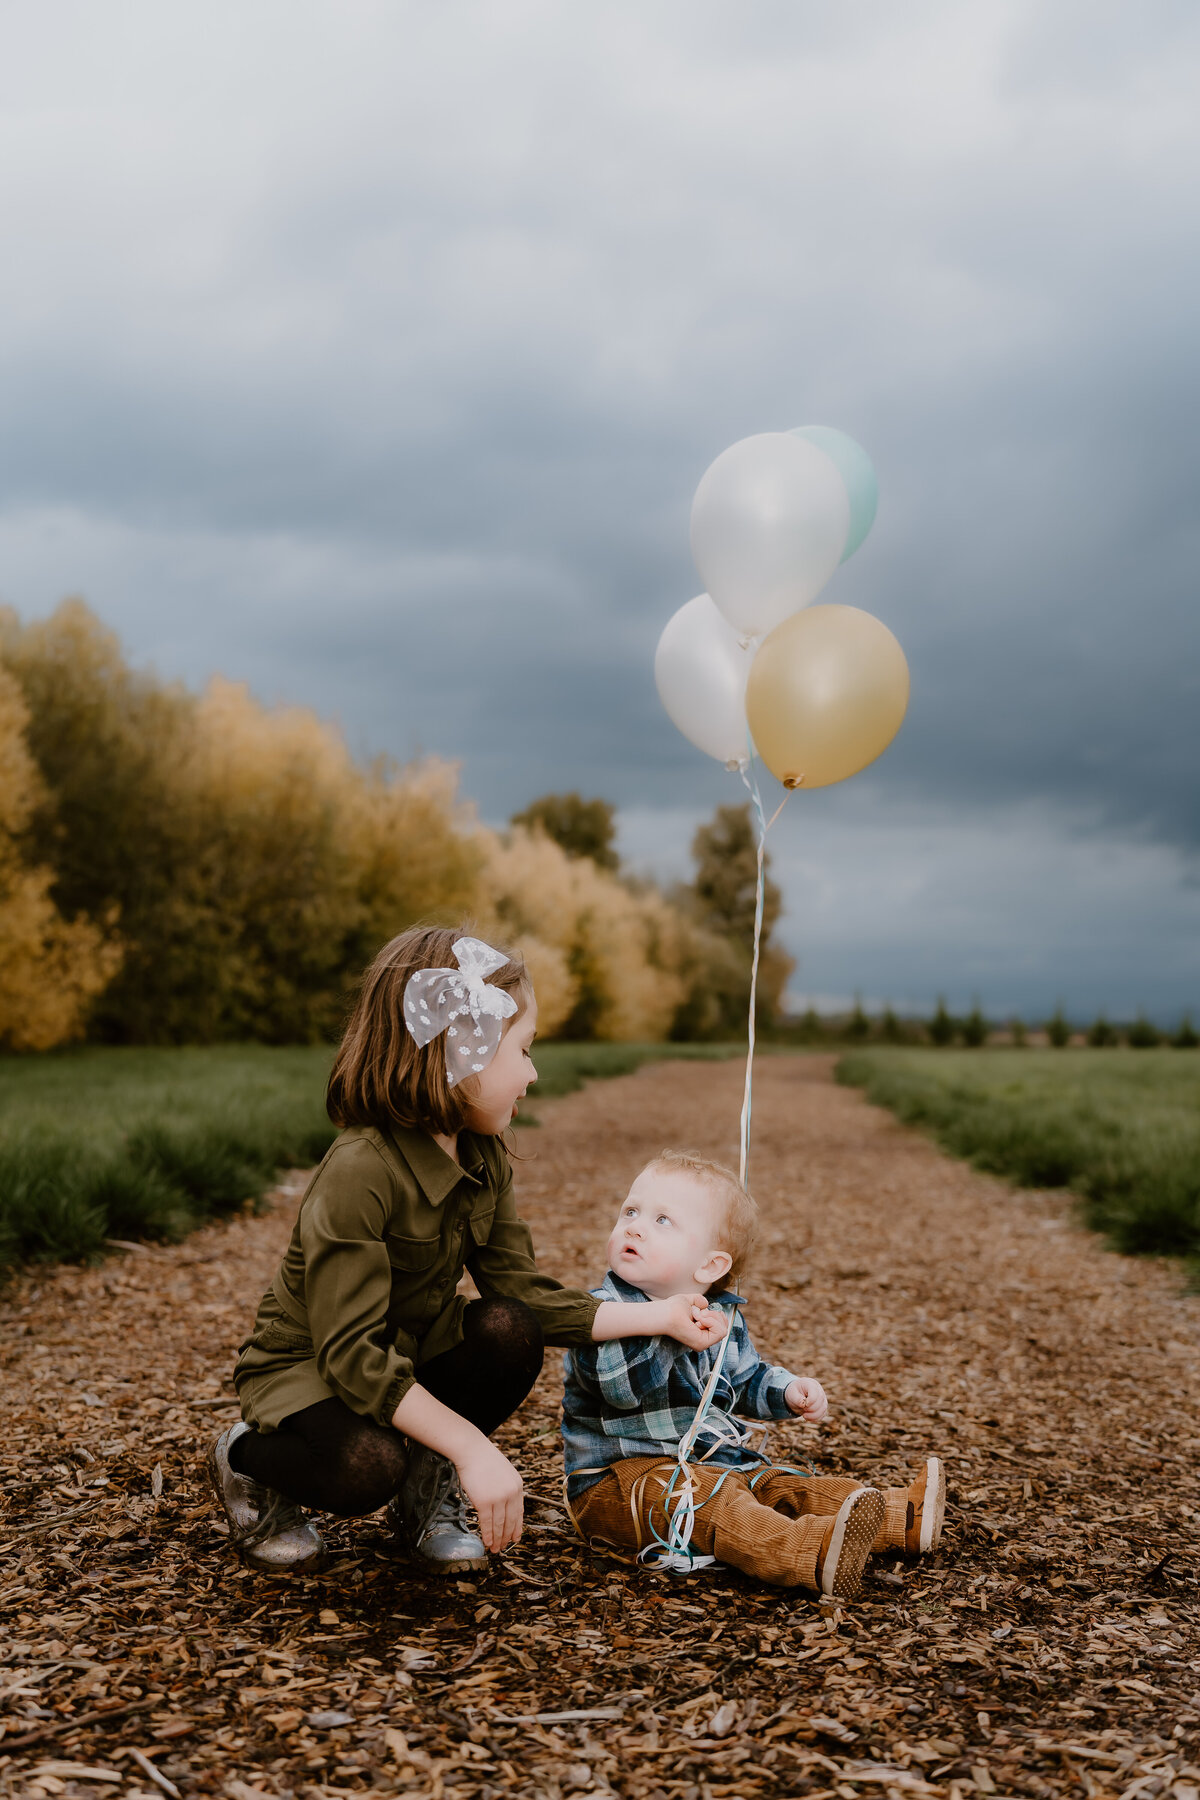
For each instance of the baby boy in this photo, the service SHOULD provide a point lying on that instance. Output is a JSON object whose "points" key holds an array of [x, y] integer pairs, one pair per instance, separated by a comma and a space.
{"points": [[687, 1226]]}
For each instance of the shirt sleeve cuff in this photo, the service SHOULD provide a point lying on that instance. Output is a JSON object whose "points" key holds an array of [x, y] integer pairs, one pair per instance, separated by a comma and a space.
{"points": [[394, 1394], [573, 1323], [774, 1394]]}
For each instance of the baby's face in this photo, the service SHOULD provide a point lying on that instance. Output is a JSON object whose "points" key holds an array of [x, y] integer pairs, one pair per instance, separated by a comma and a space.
{"points": [[665, 1237]]}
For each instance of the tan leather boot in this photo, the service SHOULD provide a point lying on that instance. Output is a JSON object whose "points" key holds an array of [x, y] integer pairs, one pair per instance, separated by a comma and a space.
{"points": [[913, 1522], [847, 1543]]}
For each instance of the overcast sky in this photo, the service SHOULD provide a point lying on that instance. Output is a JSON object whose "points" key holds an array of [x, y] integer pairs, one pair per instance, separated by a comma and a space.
{"points": [[371, 352]]}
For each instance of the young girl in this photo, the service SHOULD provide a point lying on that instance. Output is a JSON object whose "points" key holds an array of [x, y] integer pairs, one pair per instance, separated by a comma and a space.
{"points": [[368, 1380]]}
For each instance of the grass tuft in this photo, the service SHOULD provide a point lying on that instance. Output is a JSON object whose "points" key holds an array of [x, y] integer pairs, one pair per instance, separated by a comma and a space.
{"points": [[1119, 1127], [47, 1212], [139, 1202], [115, 1143], [214, 1167]]}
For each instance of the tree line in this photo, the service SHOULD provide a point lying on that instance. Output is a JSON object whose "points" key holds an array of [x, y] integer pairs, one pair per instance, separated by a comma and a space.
{"points": [[974, 1029], [195, 868]]}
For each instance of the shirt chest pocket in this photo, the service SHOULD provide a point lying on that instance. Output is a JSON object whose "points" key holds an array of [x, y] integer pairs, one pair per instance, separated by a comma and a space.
{"points": [[283, 1335], [481, 1224], [413, 1257]]}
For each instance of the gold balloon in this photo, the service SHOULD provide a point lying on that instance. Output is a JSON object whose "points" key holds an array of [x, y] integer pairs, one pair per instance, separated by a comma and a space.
{"points": [[827, 693]]}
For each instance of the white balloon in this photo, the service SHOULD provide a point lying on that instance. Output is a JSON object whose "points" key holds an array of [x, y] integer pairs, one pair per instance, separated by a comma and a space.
{"points": [[700, 670], [770, 521]]}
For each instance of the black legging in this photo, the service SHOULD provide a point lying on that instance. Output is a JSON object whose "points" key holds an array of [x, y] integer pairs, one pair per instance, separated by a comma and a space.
{"points": [[334, 1460]]}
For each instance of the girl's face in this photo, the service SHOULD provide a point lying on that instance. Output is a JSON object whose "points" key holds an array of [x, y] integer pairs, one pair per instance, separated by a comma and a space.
{"points": [[506, 1077]]}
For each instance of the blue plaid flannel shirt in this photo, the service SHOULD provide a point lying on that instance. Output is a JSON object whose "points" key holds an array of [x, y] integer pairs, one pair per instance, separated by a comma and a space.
{"points": [[636, 1396]]}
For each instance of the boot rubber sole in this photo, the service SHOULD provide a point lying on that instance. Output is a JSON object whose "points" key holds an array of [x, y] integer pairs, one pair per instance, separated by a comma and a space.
{"points": [[466, 1565], [855, 1529], [933, 1506]]}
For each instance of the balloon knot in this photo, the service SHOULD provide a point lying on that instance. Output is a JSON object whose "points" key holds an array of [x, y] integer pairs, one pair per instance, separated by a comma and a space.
{"points": [[792, 781]]}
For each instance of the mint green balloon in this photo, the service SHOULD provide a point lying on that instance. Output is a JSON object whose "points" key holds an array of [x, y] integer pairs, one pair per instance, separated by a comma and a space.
{"points": [[854, 467]]}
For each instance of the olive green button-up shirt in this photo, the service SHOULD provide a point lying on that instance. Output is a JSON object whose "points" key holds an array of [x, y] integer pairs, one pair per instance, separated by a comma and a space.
{"points": [[366, 1291]]}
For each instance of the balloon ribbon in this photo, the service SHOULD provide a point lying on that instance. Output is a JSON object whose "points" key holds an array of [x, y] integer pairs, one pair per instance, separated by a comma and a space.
{"points": [[764, 825], [674, 1551]]}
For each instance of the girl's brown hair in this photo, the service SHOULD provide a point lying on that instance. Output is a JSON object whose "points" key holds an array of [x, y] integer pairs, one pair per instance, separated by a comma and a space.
{"points": [[380, 1076]]}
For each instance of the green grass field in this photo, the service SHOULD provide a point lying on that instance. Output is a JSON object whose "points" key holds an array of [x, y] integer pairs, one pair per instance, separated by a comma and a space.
{"points": [[98, 1144], [1119, 1127]]}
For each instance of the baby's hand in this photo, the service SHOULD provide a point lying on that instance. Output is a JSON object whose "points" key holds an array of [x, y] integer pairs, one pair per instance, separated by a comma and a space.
{"points": [[807, 1397], [691, 1320]]}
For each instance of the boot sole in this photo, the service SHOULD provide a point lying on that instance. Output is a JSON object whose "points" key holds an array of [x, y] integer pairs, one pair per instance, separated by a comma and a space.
{"points": [[465, 1565], [291, 1568], [214, 1477], [855, 1529], [474, 1565], [933, 1506]]}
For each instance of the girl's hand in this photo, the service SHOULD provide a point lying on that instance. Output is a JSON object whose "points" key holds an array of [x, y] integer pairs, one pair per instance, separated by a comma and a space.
{"points": [[807, 1397], [494, 1489], [690, 1320]]}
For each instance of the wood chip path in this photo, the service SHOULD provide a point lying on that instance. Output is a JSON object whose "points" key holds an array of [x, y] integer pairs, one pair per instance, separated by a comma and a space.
{"points": [[1052, 1647]]}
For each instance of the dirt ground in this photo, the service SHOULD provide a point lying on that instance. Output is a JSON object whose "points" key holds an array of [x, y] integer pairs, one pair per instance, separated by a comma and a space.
{"points": [[1051, 1647]]}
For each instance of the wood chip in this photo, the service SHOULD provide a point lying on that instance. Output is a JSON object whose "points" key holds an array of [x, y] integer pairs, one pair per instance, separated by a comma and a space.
{"points": [[75, 1771], [155, 1775]]}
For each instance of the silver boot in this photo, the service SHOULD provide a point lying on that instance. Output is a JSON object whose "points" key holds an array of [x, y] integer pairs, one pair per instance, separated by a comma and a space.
{"points": [[429, 1517], [267, 1530]]}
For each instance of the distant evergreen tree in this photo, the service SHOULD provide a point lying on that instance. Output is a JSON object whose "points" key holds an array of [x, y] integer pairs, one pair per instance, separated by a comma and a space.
{"points": [[890, 1029], [858, 1026], [1142, 1035], [1102, 1035], [941, 1027], [1186, 1037], [1058, 1030], [975, 1028]]}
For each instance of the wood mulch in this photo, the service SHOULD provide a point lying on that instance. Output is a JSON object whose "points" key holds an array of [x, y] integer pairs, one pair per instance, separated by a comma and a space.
{"points": [[1051, 1647]]}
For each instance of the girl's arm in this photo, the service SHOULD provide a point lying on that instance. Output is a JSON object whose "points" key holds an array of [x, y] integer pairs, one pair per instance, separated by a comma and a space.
{"points": [[491, 1483], [501, 1261], [686, 1317], [346, 1281], [504, 1264]]}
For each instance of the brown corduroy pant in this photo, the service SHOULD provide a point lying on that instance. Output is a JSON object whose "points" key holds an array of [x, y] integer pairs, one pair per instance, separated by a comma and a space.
{"points": [[775, 1531]]}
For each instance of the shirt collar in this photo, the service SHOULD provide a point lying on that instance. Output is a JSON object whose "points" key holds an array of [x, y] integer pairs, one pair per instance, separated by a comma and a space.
{"points": [[614, 1287], [436, 1173]]}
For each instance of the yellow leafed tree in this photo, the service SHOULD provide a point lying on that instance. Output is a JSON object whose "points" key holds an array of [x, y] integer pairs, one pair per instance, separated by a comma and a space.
{"points": [[252, 868], [50, 970], [313, 860], [609, 960]]}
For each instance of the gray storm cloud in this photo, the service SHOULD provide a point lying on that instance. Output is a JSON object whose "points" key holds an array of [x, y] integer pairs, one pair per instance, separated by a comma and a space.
{"points": [[368, 353]]}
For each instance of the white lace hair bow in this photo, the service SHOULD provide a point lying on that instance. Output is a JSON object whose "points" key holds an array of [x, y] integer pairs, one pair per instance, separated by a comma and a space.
{"points": [[462, 1003]]}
